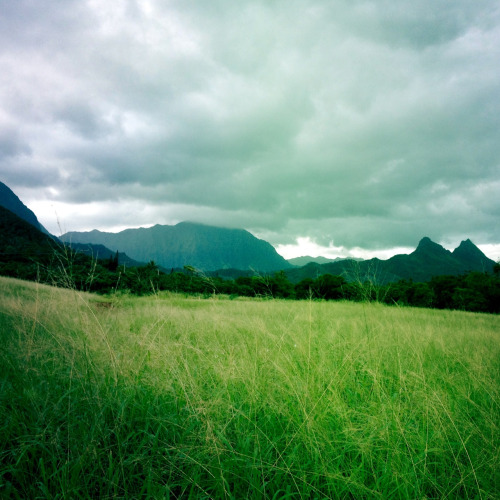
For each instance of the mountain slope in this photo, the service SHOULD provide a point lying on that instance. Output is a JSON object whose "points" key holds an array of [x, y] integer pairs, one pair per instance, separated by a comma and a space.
{"points": [[20, 238], [469, 254], [103, 253], [24, 250], [302, 261], [204, 247], [10, 201], [427, 260]]}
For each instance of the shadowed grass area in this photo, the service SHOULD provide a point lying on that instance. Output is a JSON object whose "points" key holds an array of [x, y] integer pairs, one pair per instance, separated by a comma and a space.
{"points": [[174, 397]]}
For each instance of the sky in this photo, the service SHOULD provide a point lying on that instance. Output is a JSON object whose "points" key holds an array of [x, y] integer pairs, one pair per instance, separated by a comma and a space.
{"points": [[335, 128]]}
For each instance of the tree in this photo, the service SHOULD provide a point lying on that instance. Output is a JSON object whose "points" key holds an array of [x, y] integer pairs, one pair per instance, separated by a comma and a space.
{"points": [[420, 295], [280, 286], [496, 269], [113, 262], [330, 287], [444, 288], [304, 288]]}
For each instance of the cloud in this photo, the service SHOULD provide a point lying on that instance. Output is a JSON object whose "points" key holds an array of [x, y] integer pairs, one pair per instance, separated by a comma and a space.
{"points": [[364, 123], [12, 144]]}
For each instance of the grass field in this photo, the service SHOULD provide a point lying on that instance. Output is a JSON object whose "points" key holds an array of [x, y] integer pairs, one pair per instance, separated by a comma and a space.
{"points": [[179, 397]]}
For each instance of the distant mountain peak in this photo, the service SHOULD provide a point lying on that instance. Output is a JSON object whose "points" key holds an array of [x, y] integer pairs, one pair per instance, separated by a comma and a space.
{"points": [[470, 253], [427, 260], [204, 247], [467, 244], [426, 245], [425, 242], [306, 259]]}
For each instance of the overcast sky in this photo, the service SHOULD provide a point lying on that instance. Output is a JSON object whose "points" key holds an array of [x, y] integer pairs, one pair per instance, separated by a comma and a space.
{"points": [[341, 127]]}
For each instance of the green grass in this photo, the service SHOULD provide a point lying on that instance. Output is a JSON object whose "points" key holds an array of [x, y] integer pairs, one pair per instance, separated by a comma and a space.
{"points": [[175, 397]]}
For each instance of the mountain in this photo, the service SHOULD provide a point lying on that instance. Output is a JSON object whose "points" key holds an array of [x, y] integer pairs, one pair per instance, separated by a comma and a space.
{"points": [[22, 239], [103, 253], [468, 252], [207, 248], [11, 202], [427, 260], [25, 251], [302, 261]]}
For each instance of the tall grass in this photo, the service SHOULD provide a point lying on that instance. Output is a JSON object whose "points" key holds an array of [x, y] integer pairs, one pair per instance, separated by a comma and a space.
{"points": [[174, 397]]}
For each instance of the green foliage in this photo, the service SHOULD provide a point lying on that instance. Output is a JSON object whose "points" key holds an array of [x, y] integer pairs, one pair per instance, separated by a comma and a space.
{"points": [[304, 288], [113, 262], [330, 287]]}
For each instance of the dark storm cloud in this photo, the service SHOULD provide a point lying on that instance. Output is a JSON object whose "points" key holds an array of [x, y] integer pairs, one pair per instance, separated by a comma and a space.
{"points": [[365, 123]]}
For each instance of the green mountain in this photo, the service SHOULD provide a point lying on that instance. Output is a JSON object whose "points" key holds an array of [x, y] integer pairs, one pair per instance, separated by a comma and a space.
{"points": [[234, 252], [10, 201], [28, 253], [21, 239], [24, 250], [468, 252], [207, 248], [103, 253], [429, 259], [306, 259]]}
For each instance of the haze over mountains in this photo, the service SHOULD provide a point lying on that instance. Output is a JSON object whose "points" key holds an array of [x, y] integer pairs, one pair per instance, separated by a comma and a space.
{"points": [[210, 249]]}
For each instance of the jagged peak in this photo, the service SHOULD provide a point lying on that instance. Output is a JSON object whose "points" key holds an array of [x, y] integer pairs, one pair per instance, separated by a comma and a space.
{"points": [[466, 244], [467, 247], [426, 243]]}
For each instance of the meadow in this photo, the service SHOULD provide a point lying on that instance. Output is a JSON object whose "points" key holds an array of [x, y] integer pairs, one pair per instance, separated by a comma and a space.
{"points": [[172, 396]]}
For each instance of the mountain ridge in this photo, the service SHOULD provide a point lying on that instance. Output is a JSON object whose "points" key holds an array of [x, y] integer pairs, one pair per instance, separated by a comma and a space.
{"points": [[205, 247], [102, 253], [427, 260], [306, 259], [10, 201], [212, 249]]}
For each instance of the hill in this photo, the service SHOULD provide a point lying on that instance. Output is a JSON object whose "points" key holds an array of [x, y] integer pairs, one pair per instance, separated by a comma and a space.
{"points": [[10, 201], [228, 253], [27, 253], [21, 239], [306, 259], [103, 253], [427, 260], [204, 247], [24, 250]]}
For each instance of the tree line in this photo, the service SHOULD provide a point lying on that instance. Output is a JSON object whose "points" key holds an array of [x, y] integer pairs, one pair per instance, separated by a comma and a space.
{"points": [[473, 291]]}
